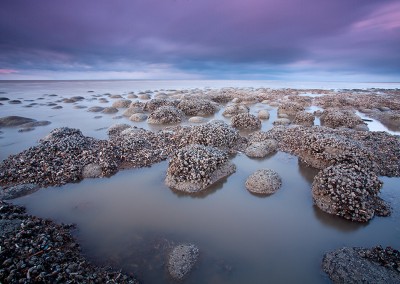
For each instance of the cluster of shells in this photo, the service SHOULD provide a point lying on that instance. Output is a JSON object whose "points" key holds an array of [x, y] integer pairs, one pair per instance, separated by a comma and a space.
{"points": [[335, 118], [349, 191], [34, 250], [246, 121], [195, 163]]}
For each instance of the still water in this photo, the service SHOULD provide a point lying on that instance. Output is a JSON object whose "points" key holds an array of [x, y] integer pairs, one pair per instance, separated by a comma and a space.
{"points": [[126, 220]]}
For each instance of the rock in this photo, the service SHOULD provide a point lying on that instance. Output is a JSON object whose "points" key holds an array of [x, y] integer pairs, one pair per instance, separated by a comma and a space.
{"points": [[132, 96], [117, 129], [115, 96], [9, 226], [35, 124], [349, 265], [304, 118], [261, 149], [122, 103], [196, 167], [144, 96], [336, 118], [16, 191], [92, 171], [110, 110], [246, 121], [154, 104], [10, 121], [264, 181], [57, 107], [14, 102], [290, 108], [79, 107], [165, 115], [131, 111], [198, 107], [197, 119], [361, 127], [137, 117], [348, 191], [263, 114], [232, 110], [4, 99], [282, 121], [95, 109], [181, 260]]}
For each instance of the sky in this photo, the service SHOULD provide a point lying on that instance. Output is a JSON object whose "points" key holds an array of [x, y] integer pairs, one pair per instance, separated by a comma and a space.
{"points": [[312, 40]]}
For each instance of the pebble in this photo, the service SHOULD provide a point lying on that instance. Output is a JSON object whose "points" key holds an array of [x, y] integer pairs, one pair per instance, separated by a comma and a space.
{"points": [[264, 181]]}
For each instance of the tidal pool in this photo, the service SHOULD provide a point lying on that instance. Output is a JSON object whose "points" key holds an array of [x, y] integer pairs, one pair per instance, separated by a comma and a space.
{"points": [[127, 220], [131, 219]]}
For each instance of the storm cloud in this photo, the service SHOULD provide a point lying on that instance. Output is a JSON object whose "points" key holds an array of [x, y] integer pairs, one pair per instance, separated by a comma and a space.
{"points": [[200, 39]]}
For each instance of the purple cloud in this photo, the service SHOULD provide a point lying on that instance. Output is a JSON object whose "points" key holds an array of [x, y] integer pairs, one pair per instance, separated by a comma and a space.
{"points": [[202, 37]]}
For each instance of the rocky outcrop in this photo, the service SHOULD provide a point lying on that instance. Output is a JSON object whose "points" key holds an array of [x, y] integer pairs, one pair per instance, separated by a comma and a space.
{"points": [[335, 118], [304, 118], [235, 109], [196, 167], [359, 265], [246, 121], [165, 115], [197, 107], [11, 121], [349, 191], [264, 181]]}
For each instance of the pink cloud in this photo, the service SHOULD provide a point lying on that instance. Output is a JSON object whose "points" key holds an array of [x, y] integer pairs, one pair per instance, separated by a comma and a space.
{"points": [[385, 18], [7, 71]]}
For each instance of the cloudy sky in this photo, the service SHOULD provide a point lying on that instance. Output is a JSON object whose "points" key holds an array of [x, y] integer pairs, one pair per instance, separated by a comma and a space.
{"points": [[328, 40]]}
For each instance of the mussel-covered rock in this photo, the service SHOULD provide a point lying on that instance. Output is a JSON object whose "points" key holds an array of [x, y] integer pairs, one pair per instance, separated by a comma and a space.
{"points": [[10, 121], [195, 167], [263, 114], [336, 118], [121, 103], [348, 191], [165, 115], [234, 109], [264, 181], [198, 107], [246, 121], [360, 265], [181, 260], [261, 149], [304, 118]]}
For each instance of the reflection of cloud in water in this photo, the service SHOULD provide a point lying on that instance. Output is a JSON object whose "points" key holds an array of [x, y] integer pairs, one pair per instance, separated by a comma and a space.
{"points": [[337, 222]]}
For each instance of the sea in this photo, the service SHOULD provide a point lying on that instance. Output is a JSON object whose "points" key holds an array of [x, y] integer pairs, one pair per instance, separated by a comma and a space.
{"points": [[129, 220]]}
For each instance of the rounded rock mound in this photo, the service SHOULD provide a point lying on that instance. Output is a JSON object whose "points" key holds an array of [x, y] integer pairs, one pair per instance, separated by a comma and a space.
{"points": [[181, 260], [165, 115], [197, 107], [246, 121], [261, 149], [122, 103], [235, 109], [264, 181], [349, 191], [195, 167]]}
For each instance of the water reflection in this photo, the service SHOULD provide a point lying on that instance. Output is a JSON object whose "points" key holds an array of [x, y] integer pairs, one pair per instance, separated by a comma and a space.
{"points": [[336, 222]]}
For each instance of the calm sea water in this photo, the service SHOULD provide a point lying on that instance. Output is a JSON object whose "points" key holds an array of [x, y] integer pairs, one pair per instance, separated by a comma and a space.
{"points": [[127, 218]]}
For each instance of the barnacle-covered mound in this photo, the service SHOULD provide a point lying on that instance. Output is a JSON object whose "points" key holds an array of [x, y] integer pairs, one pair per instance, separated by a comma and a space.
{"points": [[154, 104], [290, 108], [121, 103], [363, 265], [261, 149], [165, 115], [196, 167], [322, 146], [234, 109], [58, 159], [214, 133], [304, 118], [264, 181], [198, 107], [349, 191], [246, 121], [335, 118]]}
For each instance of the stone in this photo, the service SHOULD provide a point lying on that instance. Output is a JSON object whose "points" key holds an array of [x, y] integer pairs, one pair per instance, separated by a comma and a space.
{"points": [[264, 181], [282, 121], [16, 191], [165, 115], [263, 114], [10, 121], [137, 117], [261, 149], [122, 103], [92, 171], [181, 260], [110, 110], [197, 119], [246, 121]]}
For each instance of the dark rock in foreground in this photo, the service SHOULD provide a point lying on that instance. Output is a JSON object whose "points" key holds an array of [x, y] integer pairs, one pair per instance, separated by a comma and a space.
{"points": [[358, 265], [35, 250]]}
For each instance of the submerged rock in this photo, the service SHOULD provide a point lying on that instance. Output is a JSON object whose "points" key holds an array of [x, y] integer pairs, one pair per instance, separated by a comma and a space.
{"points": [[196, 167], [263, 114], [122, 103], [181, 260], [16, 191], [264, 181], [358, 265], [10, 121]]}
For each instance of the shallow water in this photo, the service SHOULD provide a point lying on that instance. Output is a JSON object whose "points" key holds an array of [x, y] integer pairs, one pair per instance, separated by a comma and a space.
{"points": [[126, 220]]}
